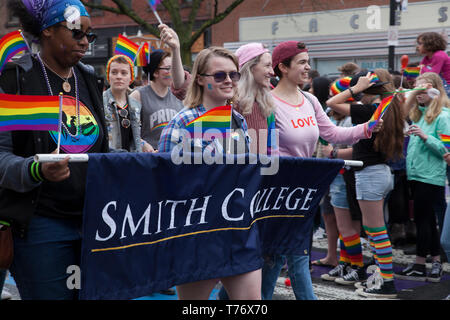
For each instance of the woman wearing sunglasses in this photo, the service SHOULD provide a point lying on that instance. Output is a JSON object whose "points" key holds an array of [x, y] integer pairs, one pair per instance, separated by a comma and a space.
{"points": [[215, 76], [44, 202], [162, 98], [122, 112]]}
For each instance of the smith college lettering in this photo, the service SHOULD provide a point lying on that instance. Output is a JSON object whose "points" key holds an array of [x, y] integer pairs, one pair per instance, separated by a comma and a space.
{"points": [[119, 221]]}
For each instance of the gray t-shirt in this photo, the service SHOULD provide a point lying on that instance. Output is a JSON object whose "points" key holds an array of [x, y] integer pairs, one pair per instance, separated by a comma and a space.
{"points": [[156, 112]]}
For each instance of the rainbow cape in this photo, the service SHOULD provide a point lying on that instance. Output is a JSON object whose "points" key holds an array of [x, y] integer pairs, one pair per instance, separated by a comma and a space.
{"points": [[446, 140], [411, 72], [33, 113], [154, 3], [379, 112], [143, 56], [218, 118], [126, 47], [341, 85], [10, 45]]}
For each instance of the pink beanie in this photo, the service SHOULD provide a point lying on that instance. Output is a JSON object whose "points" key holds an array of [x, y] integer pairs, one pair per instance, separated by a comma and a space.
{"points": [[249, 51]]}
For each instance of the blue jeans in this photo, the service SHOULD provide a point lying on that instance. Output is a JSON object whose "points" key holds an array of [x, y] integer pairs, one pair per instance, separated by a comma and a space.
{"points": [[298, 271], [42, 257]]}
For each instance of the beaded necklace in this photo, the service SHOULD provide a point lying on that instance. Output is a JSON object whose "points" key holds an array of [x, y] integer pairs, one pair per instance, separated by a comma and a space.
{"points": [[50, 92]]}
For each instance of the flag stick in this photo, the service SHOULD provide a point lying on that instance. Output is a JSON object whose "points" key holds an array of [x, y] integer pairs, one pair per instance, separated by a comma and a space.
{"points": [[401, 81], [137, 53], [25, 40], [231, 128], [156, 15], [59, 121]]}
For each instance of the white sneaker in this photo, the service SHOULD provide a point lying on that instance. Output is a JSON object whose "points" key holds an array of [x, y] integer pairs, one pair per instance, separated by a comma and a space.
{"points": [[319, 234], [6, 295]]}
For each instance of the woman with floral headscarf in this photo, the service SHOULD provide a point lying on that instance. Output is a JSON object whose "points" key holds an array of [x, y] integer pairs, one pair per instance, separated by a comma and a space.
{"points": [[43, 202]]}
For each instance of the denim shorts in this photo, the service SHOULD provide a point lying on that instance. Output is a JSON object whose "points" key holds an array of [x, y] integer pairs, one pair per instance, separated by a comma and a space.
{"points": [[338, 193], [373, 183]]}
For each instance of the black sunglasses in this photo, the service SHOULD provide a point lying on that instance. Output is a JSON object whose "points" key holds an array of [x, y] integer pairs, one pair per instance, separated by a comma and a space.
{"points": [[222, 75], [77, 34]]}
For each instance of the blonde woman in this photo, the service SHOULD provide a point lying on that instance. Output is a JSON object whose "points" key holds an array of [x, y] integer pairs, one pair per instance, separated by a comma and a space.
{"points": [[255, 102], [214, 80], [426, 170]]}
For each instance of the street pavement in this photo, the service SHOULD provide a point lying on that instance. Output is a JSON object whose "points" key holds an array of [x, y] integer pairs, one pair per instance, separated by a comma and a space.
{"points": [[325, 290]]}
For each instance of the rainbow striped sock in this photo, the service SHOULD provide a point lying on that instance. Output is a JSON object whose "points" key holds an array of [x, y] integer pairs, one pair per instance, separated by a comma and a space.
{"points": [[383, 249], [372, 247], [354, 250], [343, 255]]}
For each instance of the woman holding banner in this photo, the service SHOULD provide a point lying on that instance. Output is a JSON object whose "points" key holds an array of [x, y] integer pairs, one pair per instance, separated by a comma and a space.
{"points": [[215, 76], [300, 120], [44, 202], [384, 145]]}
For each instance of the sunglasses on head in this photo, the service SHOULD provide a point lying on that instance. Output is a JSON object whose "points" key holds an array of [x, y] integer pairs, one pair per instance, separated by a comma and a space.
{"points": [[77, 34], [222, 75]]}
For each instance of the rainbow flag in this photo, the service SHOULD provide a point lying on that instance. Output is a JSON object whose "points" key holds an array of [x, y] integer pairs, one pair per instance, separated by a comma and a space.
{"points": [[375, 78], [10, 45], [271, 134], [126, 47], [218, 118], [378, 114], [446, 140], [33, 113], [154, 3], [143, 56], [411, 72]]}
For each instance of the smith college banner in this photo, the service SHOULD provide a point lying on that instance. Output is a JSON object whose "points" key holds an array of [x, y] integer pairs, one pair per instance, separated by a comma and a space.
{"points": [[150, 223]]}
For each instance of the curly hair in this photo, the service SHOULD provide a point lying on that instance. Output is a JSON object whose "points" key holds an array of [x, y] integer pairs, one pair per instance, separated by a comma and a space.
{"points": [[432, 41], [29, 23]]}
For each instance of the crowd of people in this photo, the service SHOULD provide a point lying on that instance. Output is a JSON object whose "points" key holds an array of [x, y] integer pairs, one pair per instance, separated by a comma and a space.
{"points": [[401, 154]]}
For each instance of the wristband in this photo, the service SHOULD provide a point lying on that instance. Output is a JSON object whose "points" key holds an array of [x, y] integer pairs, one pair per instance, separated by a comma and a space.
{"points": [[36, 171], [333, 153], [351, 92]]}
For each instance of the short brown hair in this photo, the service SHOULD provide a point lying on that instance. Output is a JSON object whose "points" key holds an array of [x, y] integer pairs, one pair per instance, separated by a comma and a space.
{"points": [[432, 41], [349, 69]]}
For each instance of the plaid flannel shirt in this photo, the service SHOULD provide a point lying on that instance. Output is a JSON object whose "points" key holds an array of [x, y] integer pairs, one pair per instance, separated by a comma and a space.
{"points": [[173, 133]]}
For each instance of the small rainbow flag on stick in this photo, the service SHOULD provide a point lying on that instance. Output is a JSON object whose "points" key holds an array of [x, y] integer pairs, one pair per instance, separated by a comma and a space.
{"points": [[34, 113], [126, 47], [379, 112], [10, 45], [153, 4], [411, 72], [218, 118], [143, 55], [446, 140]]}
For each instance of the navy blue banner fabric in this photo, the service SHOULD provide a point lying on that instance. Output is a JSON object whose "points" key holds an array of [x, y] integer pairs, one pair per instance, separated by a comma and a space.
{"points": [[150, 223]]}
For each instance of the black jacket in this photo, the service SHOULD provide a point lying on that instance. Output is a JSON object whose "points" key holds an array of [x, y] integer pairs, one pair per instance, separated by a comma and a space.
{"points": [[18, 192]]}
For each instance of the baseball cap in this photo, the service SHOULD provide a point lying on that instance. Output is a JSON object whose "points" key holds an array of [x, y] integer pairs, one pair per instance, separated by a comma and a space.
{"points": [[249, 51], [285, 50]]}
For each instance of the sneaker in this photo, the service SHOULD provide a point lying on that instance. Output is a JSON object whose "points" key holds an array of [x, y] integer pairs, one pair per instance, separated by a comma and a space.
{"points": [[355, 275], [6, 295], [436, 272], [361, 284], [384, 290], [415, 272], [339, 271]]}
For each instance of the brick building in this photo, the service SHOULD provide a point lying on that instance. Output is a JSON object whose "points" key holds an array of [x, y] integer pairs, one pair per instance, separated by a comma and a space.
{"points": [[334, 31]]}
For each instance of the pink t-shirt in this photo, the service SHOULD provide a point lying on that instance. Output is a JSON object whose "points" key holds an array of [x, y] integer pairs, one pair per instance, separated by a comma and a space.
{"points": [[439, 63], [300, 126]]}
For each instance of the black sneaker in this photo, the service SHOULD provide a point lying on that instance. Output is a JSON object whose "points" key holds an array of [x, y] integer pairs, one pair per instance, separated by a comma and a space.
{"points": [[436, 272], [361, 284], [415, 272], [339, 271], [386, 290], [355, 275]]}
